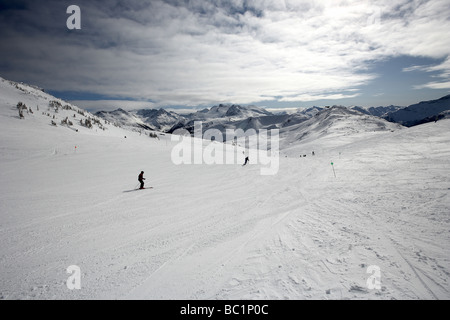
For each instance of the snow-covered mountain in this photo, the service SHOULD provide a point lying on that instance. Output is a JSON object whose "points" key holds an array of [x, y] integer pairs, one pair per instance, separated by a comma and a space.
{"points": [[168, 121], [229, 112], [234, 116], [425, 111], [370, 199], [150, 119], [161, 119], [223, 117], [373, 111], [270, 121], [44, 112], [124, 118], [334, 122], [377, 111], [314, 123], [281, 121], [39, 109], [310, 112]]}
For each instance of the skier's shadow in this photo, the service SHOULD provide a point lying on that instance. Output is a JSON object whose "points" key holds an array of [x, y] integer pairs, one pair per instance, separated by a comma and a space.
{"points": [[131, 190], [134, 190]]}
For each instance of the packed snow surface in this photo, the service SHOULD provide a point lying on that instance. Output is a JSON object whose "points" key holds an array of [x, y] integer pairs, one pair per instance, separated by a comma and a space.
{"points": [[220, 231]]}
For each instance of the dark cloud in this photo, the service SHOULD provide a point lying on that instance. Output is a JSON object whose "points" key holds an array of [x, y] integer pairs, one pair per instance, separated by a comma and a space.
{"points": [[183, 52], [6, 5]]}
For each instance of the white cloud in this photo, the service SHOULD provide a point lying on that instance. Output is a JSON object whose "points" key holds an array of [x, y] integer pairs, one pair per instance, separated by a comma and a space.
{"points": [[287, 110], [415, 68], [309, 97], [443, 71], [110, 105], [206, 54], [434, 85]]}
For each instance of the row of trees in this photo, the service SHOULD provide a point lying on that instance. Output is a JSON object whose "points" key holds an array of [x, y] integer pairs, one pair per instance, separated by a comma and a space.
{"points": [[55, 105]]}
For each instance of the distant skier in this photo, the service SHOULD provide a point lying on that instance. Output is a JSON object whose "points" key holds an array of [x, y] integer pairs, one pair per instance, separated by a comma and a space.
{"points": [[247, 160], [313, 153], [141, 179]]}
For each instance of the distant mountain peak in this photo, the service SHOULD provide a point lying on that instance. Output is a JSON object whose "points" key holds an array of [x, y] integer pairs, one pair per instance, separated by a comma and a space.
{"points": [[422, 112]]}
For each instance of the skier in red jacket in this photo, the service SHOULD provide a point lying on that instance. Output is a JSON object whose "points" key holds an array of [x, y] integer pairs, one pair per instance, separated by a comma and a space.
{"points": [[141, 179]]}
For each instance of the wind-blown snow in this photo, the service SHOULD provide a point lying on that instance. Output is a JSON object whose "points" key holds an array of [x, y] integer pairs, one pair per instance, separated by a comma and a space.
{"points": [[221, 232]]}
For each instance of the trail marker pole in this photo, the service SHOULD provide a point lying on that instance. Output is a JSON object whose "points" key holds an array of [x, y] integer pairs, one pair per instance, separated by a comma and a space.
{"points": [[332, 165]]}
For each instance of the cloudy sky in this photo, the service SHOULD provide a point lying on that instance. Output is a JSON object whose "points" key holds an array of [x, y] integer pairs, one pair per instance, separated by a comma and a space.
{"points": [[277, 53]]}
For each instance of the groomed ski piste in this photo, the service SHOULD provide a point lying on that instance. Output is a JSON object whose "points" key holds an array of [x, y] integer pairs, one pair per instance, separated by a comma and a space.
{"points": [[220, 231]]}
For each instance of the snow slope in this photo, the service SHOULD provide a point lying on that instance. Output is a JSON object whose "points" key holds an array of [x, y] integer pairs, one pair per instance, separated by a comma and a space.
{"points": [[220, 231]]}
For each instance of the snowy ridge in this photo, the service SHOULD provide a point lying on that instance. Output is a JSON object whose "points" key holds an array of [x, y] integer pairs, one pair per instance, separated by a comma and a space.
{"points": [[169, 121], [230, 111], [299, 128], [229, 116], [224, 117], [40, 108], [43, 112], [425, 111], [336, 124], [377, 111], [123, 118], [222, 231], [161, 119]]}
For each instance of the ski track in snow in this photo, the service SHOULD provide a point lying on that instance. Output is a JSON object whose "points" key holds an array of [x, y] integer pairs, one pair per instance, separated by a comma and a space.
{"points": [[224, 232]]}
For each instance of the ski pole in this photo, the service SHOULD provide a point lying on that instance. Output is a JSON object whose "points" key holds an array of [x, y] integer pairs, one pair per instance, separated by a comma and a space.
{"points": [[332, 165]]}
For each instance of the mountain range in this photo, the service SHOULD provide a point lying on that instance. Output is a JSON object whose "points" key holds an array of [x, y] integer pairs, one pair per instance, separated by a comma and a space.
{"points": [[233, 116], [423, 112]]}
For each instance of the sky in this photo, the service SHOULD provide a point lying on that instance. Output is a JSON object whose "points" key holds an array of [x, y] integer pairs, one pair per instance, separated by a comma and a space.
{"points": [[183, 54]]}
